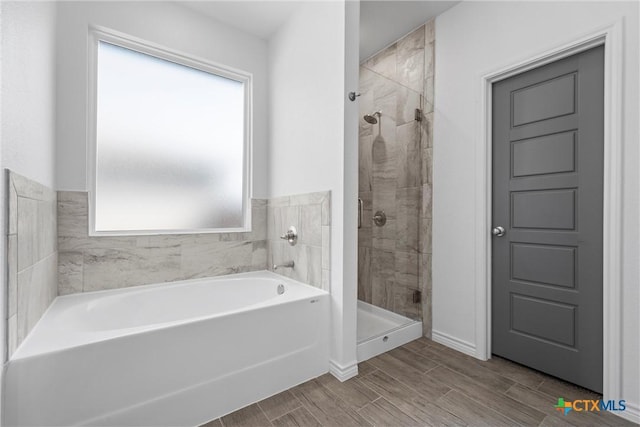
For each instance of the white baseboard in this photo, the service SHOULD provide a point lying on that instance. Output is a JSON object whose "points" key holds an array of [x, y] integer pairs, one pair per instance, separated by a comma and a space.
{"points": [[343, 373], [454, 343], [632, 413]]}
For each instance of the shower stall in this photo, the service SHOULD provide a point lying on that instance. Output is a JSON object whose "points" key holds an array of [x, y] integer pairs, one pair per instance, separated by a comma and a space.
{"points": [[394, 205]]}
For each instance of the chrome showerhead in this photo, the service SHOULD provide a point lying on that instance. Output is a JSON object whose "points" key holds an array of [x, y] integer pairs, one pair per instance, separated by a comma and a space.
{"points": [[371, 118]]}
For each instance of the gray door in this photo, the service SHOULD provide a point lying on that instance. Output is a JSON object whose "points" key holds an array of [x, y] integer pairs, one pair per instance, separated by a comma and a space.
{"points": [[547, 195]]}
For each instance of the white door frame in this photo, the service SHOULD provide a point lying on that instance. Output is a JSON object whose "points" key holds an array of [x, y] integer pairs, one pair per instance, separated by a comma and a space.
{"points": [[611, 38]]}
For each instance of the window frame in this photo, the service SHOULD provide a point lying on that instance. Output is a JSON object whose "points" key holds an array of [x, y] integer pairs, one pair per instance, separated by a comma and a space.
{"points": [[99, 34]]}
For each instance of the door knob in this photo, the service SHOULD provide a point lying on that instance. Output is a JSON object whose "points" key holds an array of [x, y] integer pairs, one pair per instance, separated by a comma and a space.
{"points": [[498, 231]]}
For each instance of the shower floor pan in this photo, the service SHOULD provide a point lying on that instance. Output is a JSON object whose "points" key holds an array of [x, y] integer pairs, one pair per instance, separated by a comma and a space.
{"points": [[380, 330]]}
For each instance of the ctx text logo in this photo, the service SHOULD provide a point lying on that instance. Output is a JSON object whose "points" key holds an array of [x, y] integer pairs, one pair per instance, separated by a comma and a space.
{"points": [[590, 405]]}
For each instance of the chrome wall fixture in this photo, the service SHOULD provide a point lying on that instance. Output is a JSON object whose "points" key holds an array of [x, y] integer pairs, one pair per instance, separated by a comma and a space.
{"points": [[291, 236], [288, 264], [372, 118], [380, 218]]}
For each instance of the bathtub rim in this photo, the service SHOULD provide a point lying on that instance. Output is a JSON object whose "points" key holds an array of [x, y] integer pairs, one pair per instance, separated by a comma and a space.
{"points": [[127, 332], [245, 274]]}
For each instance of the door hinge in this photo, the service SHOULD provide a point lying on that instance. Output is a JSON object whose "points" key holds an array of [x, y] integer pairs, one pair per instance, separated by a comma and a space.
{"points": [[417, 297]]}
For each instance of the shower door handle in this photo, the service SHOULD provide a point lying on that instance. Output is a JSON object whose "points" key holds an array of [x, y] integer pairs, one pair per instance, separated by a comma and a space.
{"points": [[360, 212]]}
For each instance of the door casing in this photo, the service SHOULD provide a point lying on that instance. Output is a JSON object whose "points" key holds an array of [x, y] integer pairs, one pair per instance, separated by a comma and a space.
{"points": [[611, 38]]}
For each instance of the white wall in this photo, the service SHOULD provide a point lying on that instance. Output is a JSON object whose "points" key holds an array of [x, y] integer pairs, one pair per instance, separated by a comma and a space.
{"points": [[348, 327], [28, 89], [27, 118], [307, 137], [3, 194], [167, 24], [306, 79], [474, 38], [27, 102]]}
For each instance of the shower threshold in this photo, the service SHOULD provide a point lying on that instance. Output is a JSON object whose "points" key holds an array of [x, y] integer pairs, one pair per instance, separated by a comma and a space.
{"points": [[380, 330]]}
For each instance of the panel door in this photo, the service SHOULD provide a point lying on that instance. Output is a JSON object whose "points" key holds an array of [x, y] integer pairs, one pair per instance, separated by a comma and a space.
{"points": [[548, 130]]}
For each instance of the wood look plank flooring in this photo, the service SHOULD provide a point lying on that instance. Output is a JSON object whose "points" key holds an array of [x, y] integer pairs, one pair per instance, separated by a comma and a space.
{"points": [[424, 383], [298, 417], [279, 405]]}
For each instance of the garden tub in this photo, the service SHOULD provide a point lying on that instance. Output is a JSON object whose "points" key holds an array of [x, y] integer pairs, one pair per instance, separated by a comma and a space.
{"points": [[171, 354]]}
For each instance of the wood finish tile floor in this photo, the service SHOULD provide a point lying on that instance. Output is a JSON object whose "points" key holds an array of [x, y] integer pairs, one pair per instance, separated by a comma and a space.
{"points": [[425, 384]]}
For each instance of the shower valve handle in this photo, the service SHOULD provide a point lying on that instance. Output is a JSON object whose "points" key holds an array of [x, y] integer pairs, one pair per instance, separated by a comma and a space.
{"points": [[380, 218], [290, 236]]}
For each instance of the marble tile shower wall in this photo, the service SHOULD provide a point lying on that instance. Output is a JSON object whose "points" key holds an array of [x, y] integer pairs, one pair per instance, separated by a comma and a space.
{"points": [[32, 256], [107, 262], [395, 176], [311, 215]]}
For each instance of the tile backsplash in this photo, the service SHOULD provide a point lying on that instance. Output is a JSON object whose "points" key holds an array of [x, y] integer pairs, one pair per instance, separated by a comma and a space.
{"points": [[89, 263], [311, 215], [32, 255]]}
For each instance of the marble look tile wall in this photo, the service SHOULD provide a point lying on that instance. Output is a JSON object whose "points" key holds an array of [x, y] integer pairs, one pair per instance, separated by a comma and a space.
{"points": [[311, 215], [88, 263], [395, 176], [426, 181], [32, 255]]}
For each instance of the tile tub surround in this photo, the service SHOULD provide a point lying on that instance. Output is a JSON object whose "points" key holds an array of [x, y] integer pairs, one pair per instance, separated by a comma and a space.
{"points": [[88, 263], [310, 213], [395, 176], [32, 255]]}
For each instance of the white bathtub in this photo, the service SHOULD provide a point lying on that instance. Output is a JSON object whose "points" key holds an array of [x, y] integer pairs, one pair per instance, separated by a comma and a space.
{"points": [[173, 354]]}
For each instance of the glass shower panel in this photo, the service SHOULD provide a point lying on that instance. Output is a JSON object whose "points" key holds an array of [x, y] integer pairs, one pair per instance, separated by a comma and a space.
{"points": [[390, 181]]}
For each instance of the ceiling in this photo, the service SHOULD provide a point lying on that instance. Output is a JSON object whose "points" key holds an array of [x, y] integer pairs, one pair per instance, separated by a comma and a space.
{"points": [[381, 21], [384, 21], [258, 17]]}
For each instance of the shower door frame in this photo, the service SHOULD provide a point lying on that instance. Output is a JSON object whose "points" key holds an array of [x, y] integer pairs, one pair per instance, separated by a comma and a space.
{"points": [[611, 38]]}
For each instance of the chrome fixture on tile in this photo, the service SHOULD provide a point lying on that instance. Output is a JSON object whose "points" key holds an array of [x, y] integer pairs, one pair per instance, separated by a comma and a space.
{"points": [[288, 264], [353, 95], [280, 289], [291, 236], [380, 218], [418, 115], [371, 118]]}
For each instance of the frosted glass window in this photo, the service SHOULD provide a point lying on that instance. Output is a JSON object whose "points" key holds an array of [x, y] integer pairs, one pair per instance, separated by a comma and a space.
{"points": [[170, 145]]}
